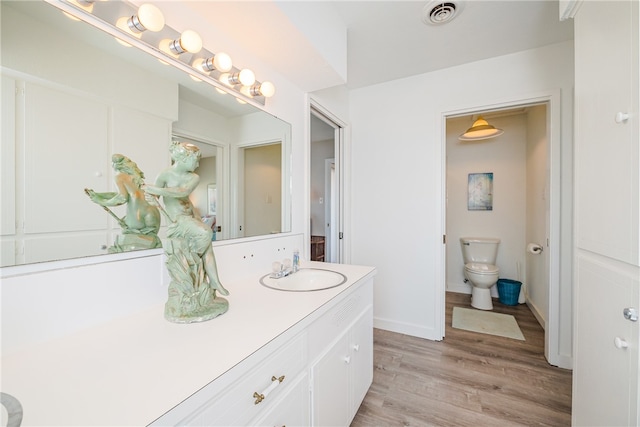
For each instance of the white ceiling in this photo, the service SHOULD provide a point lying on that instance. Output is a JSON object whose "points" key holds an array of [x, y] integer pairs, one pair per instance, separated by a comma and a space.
{"points": [[387, 40]]}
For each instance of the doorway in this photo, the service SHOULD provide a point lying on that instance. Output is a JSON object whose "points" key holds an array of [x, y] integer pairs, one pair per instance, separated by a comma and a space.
{"points": [[209, 197], [325, 219], [525, 165]]}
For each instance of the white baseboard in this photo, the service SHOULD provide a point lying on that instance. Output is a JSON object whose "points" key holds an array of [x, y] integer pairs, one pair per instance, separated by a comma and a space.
{"points": [[407, 329], [460, 288], [463, 288], [537, 314]]}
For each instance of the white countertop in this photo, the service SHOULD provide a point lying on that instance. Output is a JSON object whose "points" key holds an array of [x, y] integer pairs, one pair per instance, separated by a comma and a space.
{"points": [[133, 370]]}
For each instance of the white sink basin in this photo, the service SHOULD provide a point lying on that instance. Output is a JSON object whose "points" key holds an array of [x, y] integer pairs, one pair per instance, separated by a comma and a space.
{"points": [[305, 280]]}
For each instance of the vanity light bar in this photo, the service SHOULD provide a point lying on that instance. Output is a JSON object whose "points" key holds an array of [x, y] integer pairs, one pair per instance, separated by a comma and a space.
{"points": [[183, 50]]}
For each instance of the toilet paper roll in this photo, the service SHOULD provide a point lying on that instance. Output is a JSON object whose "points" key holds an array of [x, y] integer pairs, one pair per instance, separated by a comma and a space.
{"points": [[534, 248]]}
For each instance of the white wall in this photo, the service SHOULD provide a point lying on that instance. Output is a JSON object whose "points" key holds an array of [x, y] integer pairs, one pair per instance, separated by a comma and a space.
{"points": [[397, 173], [536, 272], [505, 157]]}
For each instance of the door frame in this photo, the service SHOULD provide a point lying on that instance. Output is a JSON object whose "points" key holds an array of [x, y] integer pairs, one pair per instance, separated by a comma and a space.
{"points": [[330, 204], [340, 158], [559, 301]]}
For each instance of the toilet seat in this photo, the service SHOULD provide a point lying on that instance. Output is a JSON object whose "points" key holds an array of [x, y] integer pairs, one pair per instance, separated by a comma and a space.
{"points": [[482, 269]]}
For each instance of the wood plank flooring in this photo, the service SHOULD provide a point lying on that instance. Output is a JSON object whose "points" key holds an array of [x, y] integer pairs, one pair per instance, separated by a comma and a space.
{"points": [[468, 379]]}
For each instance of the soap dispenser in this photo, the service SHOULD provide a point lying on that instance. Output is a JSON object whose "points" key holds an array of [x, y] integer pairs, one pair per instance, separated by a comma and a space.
{"points": [[296, 261]]}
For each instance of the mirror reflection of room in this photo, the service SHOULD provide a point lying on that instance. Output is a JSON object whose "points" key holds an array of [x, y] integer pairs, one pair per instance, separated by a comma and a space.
{"points": [[121, 100]]}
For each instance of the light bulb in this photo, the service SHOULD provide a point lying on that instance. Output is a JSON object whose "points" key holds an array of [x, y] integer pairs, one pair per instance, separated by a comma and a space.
{"points": [[222, 62], [267, 89], [246, 90], [246, 77], [189, 41], [149, 18], [225, 79]]}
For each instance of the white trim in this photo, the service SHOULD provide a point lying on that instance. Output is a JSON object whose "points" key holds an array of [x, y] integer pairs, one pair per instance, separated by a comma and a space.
{"points": [[568, 8], [412, 329], [330, 232], [342, 158]]}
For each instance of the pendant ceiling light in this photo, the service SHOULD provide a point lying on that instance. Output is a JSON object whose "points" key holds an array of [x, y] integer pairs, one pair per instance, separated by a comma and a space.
{"points": [[481, 129]]}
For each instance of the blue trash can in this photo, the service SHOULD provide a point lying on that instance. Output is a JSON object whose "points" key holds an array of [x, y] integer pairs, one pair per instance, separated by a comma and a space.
{"points": [[509, 291]]}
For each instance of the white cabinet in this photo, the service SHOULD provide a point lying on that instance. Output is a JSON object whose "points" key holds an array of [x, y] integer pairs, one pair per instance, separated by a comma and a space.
{"points": [[330, 389], [605, 377], [606, 370], [342, 375], [292, 409], [315, 373], [253, 392], [341, 355], [361, 347], [607, 201]]}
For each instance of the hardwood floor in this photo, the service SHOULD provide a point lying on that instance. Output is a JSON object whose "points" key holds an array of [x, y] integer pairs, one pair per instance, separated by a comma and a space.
{"points": [[468, 379]]}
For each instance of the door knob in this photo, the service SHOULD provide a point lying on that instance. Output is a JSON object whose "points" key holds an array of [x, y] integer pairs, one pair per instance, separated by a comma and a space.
{"points": [[631, 314], [621, 117], [620, 343]]}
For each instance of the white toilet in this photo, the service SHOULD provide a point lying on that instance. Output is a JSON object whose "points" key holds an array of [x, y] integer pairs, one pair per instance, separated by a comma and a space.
{"points": [[479, 255]]}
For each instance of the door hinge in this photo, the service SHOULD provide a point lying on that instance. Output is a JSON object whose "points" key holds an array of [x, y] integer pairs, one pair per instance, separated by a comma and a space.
{"points": [[340, 235], [444, 239]]}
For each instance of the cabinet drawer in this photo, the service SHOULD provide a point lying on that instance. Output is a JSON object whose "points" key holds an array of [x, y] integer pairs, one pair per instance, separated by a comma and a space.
{"points": [[236, 405], [292, 409]]}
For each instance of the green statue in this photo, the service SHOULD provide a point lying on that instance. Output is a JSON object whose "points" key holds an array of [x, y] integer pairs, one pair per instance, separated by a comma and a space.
{"points": [[141, 222], [190, 259]]}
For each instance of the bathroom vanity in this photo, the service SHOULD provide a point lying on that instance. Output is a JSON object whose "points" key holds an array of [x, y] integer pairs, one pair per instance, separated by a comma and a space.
{"points": [[275, 358]]}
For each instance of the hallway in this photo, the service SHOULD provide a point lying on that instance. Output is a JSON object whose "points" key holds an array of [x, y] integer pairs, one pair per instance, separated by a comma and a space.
{"points": [[466, 379]]}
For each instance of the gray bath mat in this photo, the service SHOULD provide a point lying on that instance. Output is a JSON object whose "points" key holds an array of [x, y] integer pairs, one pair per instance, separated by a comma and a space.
{"points": [[486, 322]]}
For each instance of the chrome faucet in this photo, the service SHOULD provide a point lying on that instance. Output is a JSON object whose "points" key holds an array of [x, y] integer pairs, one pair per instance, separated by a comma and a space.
{"points": [[281, 269], [286, 267]]}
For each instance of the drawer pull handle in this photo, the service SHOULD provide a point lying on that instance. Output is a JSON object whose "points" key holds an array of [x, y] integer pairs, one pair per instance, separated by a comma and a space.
{"points": [[275, 382]]}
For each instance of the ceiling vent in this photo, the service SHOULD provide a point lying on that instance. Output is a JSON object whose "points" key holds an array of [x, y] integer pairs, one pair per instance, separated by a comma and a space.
{"points": [[439, 12]]}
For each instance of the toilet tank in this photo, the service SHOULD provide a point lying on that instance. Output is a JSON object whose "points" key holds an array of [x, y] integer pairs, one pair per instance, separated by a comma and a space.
{"points": [[479, 249]]}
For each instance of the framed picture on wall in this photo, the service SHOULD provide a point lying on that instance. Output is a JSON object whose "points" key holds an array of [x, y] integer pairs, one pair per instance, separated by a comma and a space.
{"points": [[480, 192]]}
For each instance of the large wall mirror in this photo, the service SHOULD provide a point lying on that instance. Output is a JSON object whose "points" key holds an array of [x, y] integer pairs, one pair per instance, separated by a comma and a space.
{"points": [[72, 96]]}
